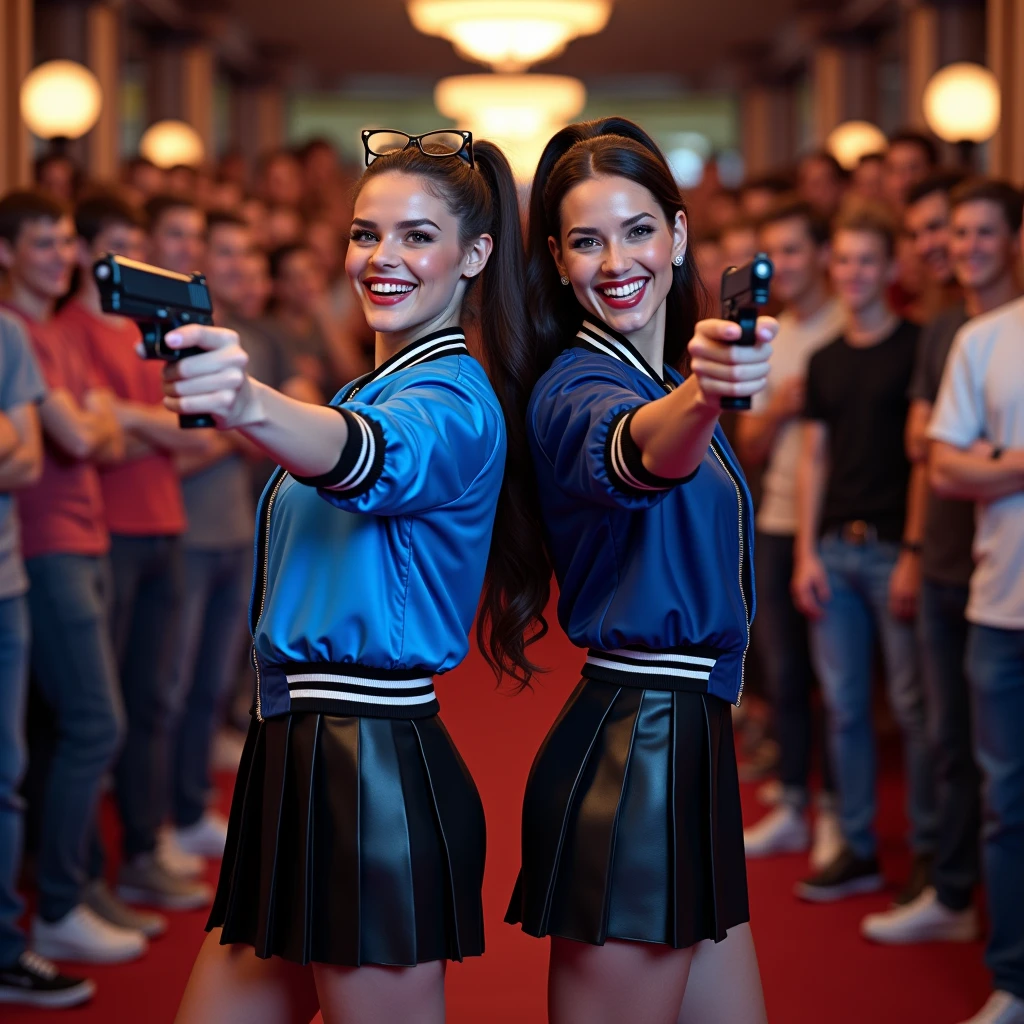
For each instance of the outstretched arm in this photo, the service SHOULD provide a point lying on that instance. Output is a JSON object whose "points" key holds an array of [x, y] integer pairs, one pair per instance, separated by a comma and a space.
{"points": [[674, 432]]}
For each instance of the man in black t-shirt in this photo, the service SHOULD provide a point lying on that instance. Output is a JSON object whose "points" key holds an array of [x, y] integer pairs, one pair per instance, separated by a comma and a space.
{"points": [[984, 251], [857, 573]]}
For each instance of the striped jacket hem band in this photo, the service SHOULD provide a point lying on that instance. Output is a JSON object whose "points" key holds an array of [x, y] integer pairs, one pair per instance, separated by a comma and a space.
{"points": [[653, 670], [366, 693], [624, 461]]}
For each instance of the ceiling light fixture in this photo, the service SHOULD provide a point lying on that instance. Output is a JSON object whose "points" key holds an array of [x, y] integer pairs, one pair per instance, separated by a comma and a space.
{"points": [[851, 140], [172, 143], [509, 35], [519, 112], [60, 100]]}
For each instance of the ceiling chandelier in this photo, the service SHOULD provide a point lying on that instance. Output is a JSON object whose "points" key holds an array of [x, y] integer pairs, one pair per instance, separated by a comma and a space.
{"points": [[509, 35], [519, 112]]}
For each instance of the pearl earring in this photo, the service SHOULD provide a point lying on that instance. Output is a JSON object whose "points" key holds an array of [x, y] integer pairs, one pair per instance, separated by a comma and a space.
{"points": [[565, 280], [678, 260]]}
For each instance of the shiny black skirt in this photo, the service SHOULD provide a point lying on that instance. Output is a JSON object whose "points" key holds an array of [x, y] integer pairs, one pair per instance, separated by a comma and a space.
{"points": [[631, 821], [353, 841]]}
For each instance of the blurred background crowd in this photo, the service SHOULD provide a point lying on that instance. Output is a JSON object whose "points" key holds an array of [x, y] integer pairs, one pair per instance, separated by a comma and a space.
{"points": [[125, 543]]}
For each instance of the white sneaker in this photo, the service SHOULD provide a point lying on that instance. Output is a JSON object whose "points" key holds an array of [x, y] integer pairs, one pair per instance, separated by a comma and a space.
{"points": [[828, 840], [83, 936], [206, 838], [783, 830], [1001, 1008], [176, 861], [923, 919]]}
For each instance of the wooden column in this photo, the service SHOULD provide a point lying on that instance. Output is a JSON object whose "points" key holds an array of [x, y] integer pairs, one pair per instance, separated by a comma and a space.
{"points": [[15, 63], [180, 85], [1005, 50], [843, 86], [769, 123], [257, 119], [103, 57]]}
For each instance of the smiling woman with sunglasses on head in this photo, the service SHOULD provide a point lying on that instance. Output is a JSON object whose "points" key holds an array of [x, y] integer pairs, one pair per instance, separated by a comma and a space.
{"points": [[355, 851], [632, 838]]}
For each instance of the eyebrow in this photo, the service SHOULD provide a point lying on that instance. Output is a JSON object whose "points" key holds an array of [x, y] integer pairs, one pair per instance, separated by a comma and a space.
{"points": [[627, 223], [403, 225]]}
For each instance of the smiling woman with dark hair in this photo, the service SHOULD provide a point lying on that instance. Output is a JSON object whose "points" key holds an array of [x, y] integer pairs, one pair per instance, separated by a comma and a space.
{"points": [[355, 851], [632, 838]]}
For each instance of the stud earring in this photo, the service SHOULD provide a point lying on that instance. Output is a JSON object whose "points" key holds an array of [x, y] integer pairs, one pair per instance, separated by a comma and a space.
{"points": [[565, 280], [678, 260]]}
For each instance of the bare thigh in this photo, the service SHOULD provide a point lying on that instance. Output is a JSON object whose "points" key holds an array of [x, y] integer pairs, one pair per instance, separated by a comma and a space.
{"points": [[231, 985], [725, 983], [381, 995], [639, 982]]}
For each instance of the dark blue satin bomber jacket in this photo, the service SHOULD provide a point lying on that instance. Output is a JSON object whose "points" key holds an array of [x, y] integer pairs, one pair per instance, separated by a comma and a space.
{"points": [[655, 575]]}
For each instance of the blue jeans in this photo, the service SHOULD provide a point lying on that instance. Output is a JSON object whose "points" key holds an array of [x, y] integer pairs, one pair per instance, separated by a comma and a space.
{"points": [[842, 643], [781, 643], [942, 629], [995, 668], [217, 585], [144, 622], [74, 667], [14, 641]]}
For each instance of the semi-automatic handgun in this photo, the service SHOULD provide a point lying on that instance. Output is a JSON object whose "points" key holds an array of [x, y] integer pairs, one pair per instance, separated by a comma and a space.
{"points": [[744, 289], [158, 301]]}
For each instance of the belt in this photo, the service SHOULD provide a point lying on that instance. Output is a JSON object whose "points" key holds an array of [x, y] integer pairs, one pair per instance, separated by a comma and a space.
{"points": [[856, 531], [680, 668]]}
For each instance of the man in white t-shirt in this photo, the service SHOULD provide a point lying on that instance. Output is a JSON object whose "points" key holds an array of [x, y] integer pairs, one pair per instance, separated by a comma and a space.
{"points": [[978, 454], [796, 239]]}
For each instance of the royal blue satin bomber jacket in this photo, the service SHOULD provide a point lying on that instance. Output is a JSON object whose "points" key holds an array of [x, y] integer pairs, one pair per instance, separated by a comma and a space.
{"points": [[655, 576], [367, 579]]}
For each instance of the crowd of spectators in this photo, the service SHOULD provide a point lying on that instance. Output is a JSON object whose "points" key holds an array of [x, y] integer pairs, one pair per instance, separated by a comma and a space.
{"points": [[888, 459]]}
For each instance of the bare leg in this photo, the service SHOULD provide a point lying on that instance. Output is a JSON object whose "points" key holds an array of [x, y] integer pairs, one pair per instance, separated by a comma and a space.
{"points": [[725, 984], [639, 982], [381, 995], [231, 985]]}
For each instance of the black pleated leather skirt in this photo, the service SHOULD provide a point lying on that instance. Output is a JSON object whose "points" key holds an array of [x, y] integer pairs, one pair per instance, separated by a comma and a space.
{"points": [[631, 821], [353, 841]]}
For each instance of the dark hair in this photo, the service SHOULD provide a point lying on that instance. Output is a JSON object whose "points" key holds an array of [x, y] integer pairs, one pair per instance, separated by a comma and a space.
{"points": [[823, 156], [156, 207], [792, 207], [518, 580], [611, 146], [225, 218], [775, 183], [877, 157], [942, 181], [100, 211], [909, 137], [277, 258], [871, 218], [22, 206], [1009, 199], [311, 146]]}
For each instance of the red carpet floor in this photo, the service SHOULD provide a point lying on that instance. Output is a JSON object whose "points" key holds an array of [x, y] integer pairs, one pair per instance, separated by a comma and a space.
{"points": [[816, 968]]}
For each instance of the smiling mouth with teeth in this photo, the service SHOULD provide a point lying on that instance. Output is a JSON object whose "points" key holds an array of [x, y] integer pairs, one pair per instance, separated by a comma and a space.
{"points": [[390, 289], [622, 291]]}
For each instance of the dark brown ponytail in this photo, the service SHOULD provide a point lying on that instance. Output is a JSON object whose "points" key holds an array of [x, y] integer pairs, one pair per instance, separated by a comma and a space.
{"points": [[517, 584]]}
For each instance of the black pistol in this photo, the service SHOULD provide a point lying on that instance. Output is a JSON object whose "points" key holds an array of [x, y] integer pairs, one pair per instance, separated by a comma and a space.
{"points": [[158, 301], [744, 289]]}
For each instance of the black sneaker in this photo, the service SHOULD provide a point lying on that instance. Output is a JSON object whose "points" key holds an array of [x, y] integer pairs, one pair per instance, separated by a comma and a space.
{"points": [[847, 875], [918, 880], [35, 981]]}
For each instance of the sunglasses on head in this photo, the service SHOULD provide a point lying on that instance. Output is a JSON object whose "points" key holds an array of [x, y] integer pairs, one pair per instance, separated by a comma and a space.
{"points": [[379, 142]]}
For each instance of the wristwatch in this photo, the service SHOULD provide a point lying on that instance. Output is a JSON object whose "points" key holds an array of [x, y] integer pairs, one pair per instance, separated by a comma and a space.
{"points": [[997, 452], [915, 547]]}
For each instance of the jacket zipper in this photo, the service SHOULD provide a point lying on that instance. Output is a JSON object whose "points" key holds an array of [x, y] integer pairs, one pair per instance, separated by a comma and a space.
{"points": [[263, 591], [743, 551]]}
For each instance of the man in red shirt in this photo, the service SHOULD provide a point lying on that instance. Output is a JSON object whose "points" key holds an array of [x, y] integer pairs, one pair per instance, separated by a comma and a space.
{"points": [[145, 515], [65, 545]]}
